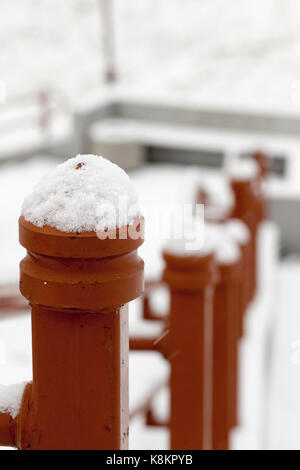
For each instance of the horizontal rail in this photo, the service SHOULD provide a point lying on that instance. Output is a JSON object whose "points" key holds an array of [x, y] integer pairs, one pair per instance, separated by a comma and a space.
{"points": [[146, 405], [11, 300]]}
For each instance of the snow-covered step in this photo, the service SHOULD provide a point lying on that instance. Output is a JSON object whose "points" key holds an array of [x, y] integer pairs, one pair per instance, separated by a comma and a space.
{"points": [[216, 140]]}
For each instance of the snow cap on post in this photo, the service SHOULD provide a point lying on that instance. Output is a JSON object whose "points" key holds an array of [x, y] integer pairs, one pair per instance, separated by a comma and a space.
{"points": [[190, 269], [226, 246], [84, 209], [10, 404], [238, 230], [11, 398], [83, 194], [242, 169]]}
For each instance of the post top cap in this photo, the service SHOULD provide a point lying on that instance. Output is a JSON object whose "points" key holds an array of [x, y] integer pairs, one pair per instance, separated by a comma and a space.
{"points": [[243, 169], [238, 230], [87, 193], [49, 241]]}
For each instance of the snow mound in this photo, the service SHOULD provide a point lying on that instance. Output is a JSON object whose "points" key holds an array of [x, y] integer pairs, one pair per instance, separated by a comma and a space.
{"points": [[237, 229], [11, 398], [203, 239], [242, 169], [197, 240], [226, 248], [227, 252], [85, 193], [182, 248]]}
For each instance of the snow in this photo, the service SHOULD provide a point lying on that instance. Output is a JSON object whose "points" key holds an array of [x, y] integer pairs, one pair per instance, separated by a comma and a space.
{"points": [[85, 193], [32, 139], [197, 240], [226, 248], [213, 239], [211, 51], [213, 182], [15, 179], [240, 169], [256, 351], [138, 326], [284, 410], [179, 248], [11, 398], [237, 229], [206, 50], [227, 251], [218, 189]]}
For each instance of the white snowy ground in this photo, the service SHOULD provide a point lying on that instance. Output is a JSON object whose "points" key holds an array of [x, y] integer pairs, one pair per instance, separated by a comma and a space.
{"points": [[212, 50], [154, 184], [284, 410]]}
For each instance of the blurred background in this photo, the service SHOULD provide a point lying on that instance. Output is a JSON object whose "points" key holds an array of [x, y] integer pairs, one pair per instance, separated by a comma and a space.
{"points": [[169, 90]]}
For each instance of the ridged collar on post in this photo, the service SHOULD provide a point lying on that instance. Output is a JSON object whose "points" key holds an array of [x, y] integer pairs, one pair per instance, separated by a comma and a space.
{"points": [[230, 272], [190, 272], [80, 271]]}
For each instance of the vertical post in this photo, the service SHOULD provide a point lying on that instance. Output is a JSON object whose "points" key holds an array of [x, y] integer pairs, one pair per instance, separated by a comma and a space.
{"points": [[239, 231], [45, 110], [78, 286], [217, 206], [106, 12], [246, 209], [263, 162], [7, 430], [225, 347], [201, 196], [191, 280], [263, 170]]}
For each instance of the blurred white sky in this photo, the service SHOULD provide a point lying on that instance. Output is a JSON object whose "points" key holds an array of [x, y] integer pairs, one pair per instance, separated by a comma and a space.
{"points": [[211, 49]]}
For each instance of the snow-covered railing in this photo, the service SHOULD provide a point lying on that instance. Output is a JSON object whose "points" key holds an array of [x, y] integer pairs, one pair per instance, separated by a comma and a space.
{"points": [[31, 109], [32, 123], [209, 295], [78, 279]]}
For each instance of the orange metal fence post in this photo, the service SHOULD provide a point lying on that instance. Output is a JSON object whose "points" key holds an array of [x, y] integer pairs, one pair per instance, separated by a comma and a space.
{"points": [[263, 162], [239, 231], [225, 347], [263, 171], [7, 430], [78, 287], [250, 203], [191, 280], [246, 209]]}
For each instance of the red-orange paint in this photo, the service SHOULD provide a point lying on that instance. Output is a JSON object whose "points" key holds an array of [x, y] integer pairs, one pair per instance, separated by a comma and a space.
{"points": [[78, 287], [191, 281], [225, 353]]}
